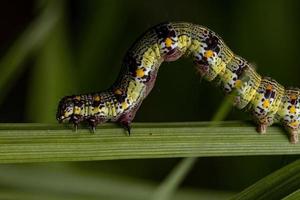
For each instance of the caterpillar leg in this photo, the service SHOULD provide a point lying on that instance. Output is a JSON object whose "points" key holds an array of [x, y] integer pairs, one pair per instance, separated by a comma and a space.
{"points": [[266, 103], [292, 131], [126, 119], [75, 127], [262, 128], [293, 135], [292, 127], [126, 126], [92, 124], [263, 124], [289, 113], [75, 119], [125, 122]]}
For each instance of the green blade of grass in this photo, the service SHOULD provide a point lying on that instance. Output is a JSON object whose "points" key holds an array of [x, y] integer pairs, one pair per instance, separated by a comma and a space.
{"points": [[98, 34], [52, 75], [275, 186], [29, 41], [294, 196], [38, 142], [168, 187], [37, 195], [66, 182]]}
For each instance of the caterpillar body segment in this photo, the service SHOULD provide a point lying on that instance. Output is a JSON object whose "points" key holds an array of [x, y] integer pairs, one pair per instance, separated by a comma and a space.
{"points": [[263, 97]]}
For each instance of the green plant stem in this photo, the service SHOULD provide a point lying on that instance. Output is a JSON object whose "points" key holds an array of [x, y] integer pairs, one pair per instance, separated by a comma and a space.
{"points": [[41, 143], [294, 196], [277, 185], [170, 184], [168, 187]]}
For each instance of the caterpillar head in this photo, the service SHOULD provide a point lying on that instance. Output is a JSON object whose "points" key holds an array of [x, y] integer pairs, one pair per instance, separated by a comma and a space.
{"points": [[65, 109]]}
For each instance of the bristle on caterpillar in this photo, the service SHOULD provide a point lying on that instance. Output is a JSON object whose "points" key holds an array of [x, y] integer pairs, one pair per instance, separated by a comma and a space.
{"points": [[264, 98]]}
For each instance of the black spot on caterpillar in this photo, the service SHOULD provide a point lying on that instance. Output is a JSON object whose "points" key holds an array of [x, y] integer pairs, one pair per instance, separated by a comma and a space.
{"points": [[266, 100]]}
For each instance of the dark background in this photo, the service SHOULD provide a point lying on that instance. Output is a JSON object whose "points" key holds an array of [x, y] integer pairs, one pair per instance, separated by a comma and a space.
{"points": [[83, 50]]}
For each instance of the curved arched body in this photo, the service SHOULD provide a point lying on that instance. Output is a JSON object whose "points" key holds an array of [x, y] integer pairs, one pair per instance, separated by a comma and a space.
{"points": [[265, 99]]}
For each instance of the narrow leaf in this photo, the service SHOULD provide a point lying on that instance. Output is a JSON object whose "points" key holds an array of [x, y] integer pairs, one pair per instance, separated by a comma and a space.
{"points": [[275, 186]]}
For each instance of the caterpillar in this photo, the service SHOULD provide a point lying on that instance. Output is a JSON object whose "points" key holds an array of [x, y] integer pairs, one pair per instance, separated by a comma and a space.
{"points": [[266, 100]]}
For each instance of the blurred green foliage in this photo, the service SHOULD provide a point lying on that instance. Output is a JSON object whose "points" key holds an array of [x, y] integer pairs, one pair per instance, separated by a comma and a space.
{"points": [[77, 47], [54, 48]]}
